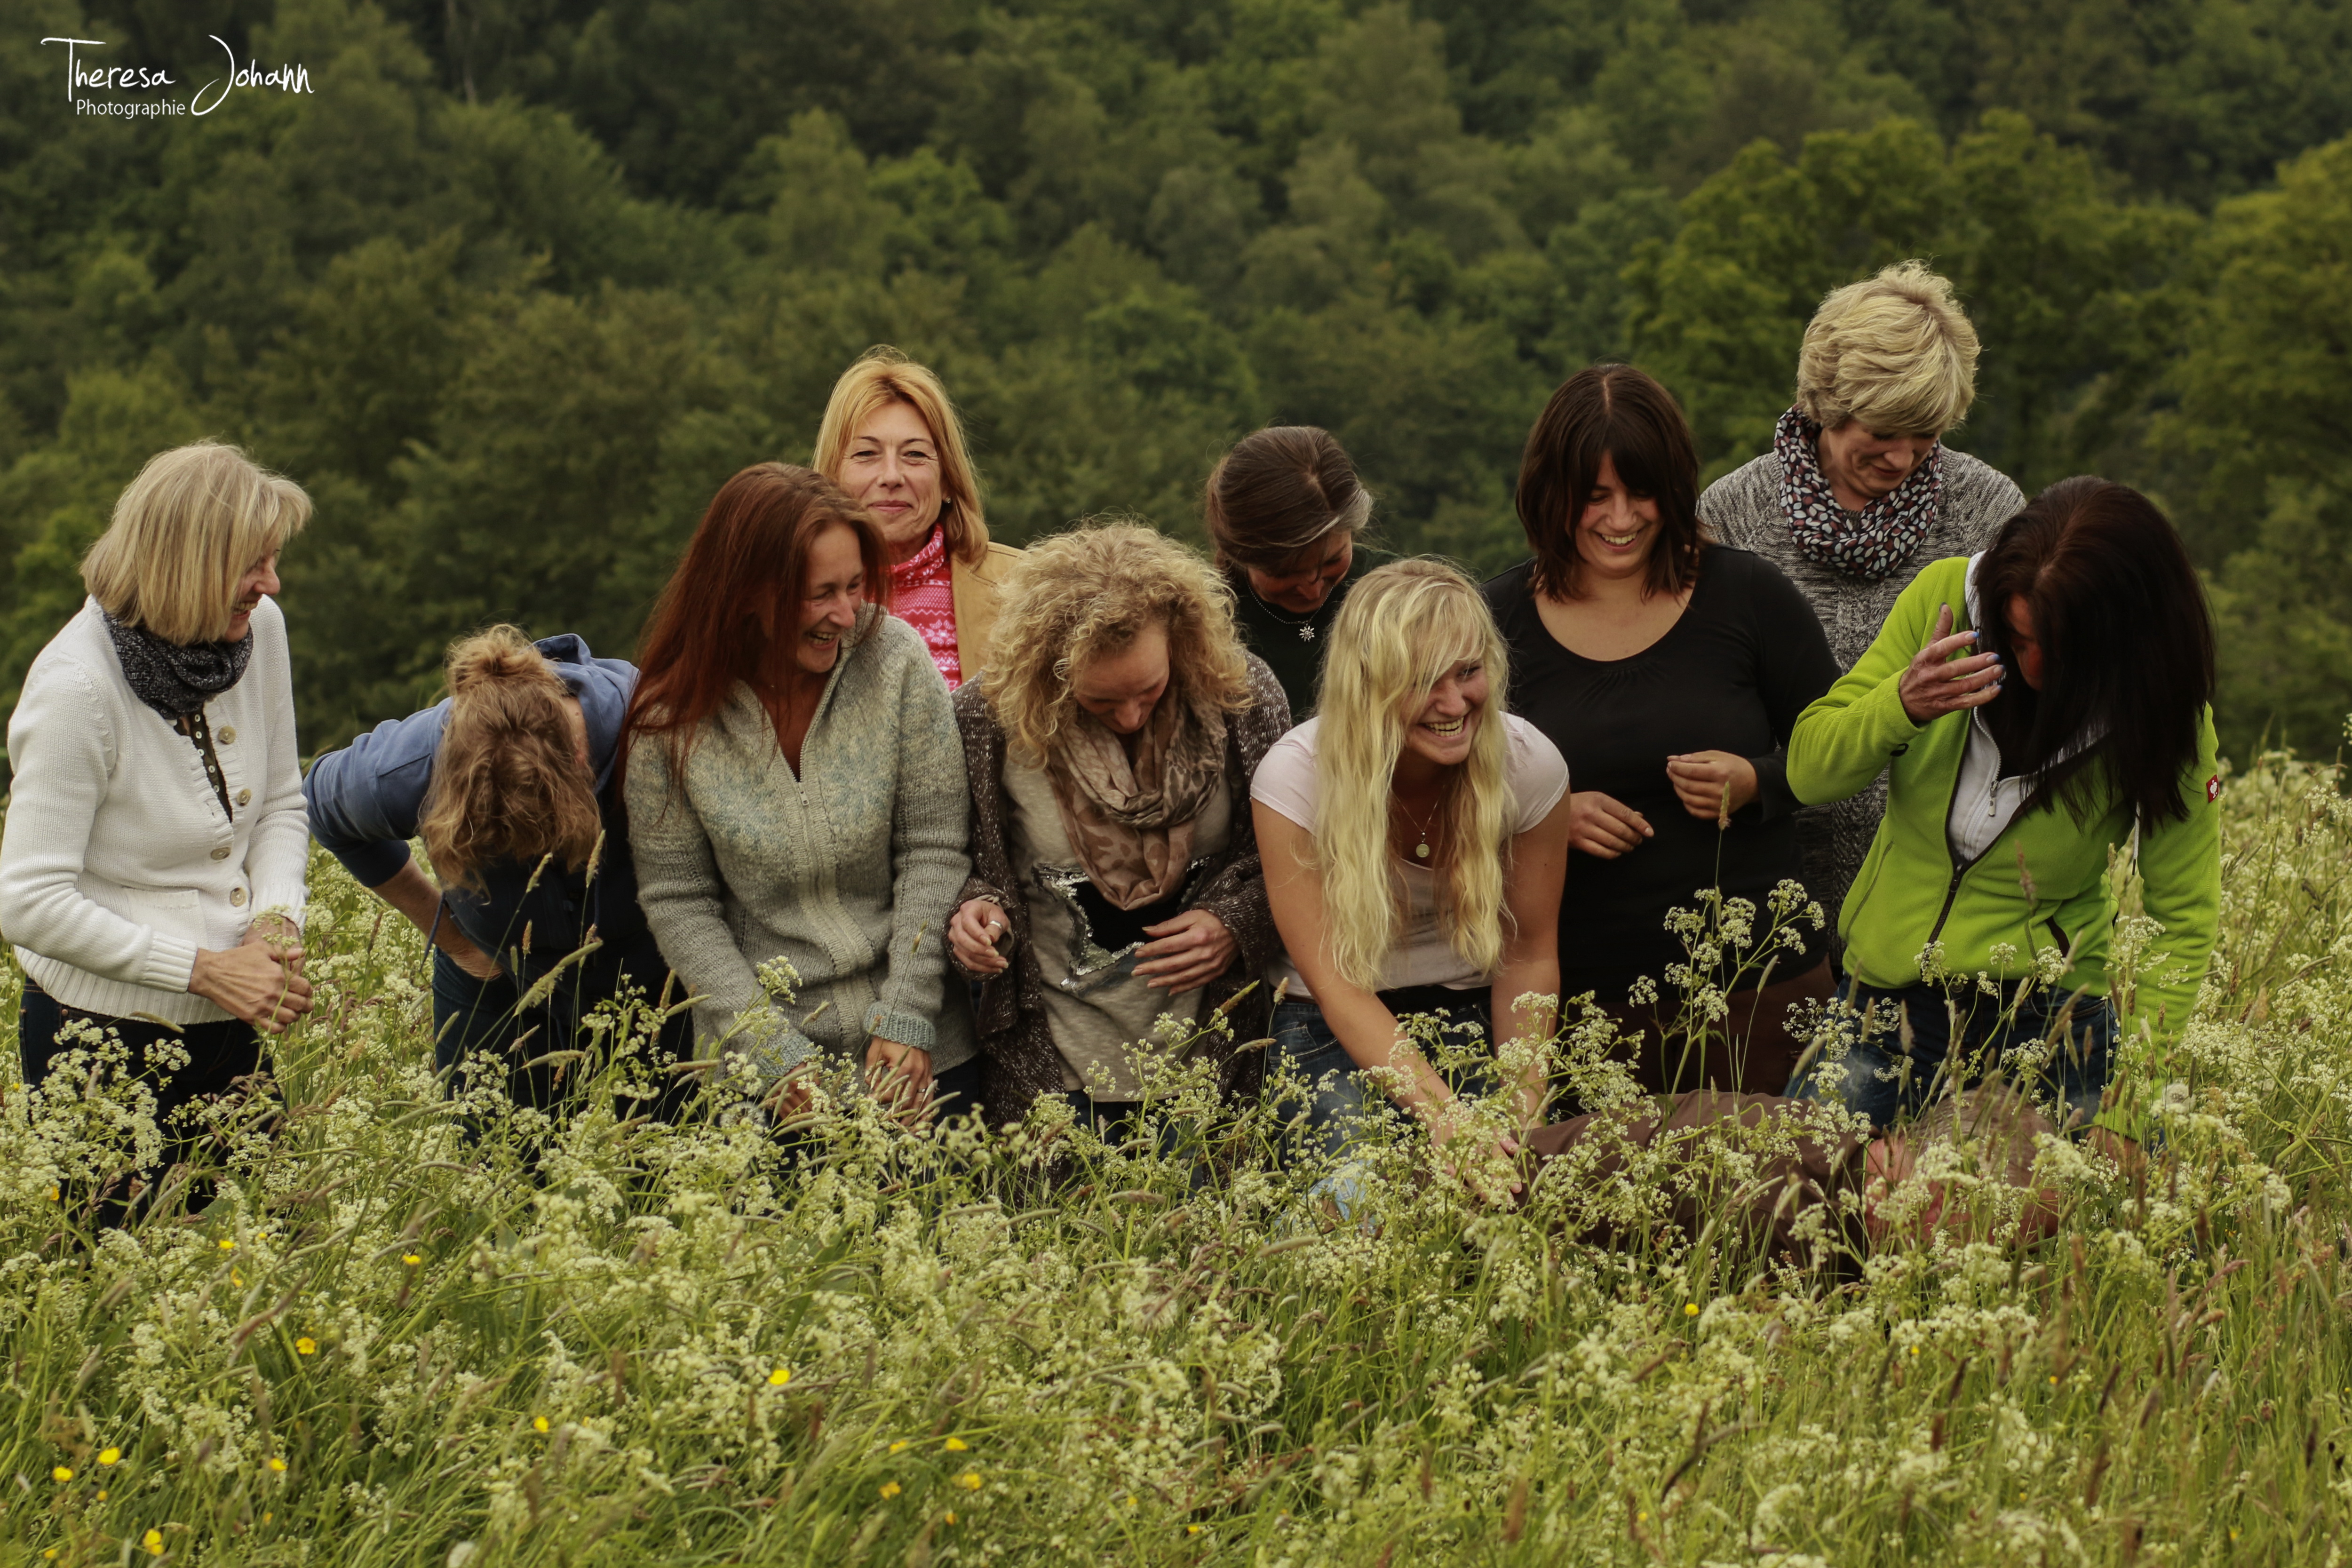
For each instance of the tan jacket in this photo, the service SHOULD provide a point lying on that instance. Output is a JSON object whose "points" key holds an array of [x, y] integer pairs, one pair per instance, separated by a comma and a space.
{"points": [[976, 588]]}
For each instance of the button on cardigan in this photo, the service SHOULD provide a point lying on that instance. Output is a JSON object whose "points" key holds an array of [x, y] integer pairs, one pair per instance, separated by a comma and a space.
{"points": [[117, 862], [848, 871]]}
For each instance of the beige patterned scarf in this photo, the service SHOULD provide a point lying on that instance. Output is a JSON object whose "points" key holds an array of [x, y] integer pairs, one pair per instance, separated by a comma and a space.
{"points": [[1131, 825]]}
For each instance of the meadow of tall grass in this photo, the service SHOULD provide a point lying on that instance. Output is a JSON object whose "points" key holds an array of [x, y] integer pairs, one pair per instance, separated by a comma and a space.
{"points": [[605, 1340]]}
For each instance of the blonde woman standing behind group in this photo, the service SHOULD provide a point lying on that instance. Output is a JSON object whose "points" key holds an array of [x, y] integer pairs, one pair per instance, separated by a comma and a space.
{"points": [[1415, 838], [892, 441]]}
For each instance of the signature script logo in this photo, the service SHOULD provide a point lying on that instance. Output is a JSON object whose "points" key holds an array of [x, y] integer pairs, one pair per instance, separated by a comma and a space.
{"points": [[82, 77]]}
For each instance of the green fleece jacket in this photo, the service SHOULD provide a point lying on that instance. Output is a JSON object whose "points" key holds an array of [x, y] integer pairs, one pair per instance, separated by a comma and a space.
{"points": [[1912, 892]]}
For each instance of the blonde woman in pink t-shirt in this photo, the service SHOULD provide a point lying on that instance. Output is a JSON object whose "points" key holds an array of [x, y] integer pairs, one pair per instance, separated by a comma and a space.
{"points": [[891, 439]]}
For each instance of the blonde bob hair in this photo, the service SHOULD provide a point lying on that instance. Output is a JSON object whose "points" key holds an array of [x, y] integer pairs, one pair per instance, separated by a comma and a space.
{"points": [[1403, 627], [882, 376], [193, 522], [1896, 351], [507, 782], [1081, 595]]}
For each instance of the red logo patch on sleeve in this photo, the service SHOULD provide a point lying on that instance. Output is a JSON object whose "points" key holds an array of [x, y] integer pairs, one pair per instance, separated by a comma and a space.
{"points": [[2213, 789]]}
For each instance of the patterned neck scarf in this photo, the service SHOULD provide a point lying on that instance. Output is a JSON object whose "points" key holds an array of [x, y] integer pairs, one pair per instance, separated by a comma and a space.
{"points": [[176, 678], [1131, 823], [1889, 528]]}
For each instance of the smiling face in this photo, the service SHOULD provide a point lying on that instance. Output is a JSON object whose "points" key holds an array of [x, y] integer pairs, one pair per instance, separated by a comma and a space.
{"points": [[2023, 643], [1864, 466], [833, 589], [1304, 582], [892, 470], [1619, 528], [259, 579], [1121, 689], [1445, 728]]}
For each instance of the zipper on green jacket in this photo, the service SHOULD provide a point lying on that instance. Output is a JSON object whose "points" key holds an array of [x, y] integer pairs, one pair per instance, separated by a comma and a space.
{"points": [[1952, 889]]}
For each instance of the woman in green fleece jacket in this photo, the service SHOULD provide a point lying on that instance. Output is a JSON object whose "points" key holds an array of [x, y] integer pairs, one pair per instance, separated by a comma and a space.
{"points": [[2031, 705]]}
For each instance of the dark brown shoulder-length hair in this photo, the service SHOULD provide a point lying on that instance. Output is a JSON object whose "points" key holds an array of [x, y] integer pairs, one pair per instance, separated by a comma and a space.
{"points": [[1279, 490], [1616, 411], [2127, 648], [731, 609]]}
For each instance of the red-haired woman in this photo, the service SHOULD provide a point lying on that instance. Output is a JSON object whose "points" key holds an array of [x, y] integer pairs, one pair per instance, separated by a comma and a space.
{"points": [[796, 791]]}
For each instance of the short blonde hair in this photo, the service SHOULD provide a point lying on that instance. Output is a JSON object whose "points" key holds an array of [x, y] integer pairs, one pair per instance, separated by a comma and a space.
{"points": [[882, 376], [1403, 626], [195, 521], [1079, 595], [1896, 351]]}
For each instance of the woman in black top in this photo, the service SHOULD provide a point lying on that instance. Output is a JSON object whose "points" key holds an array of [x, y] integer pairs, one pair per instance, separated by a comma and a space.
{"points": [[1669, 671]]}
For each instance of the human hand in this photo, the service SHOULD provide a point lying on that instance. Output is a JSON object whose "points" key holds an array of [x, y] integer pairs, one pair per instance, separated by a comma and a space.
{"points": [[1188, 953], [1488, 1169], [249, 982], [897, 1075], [1604, 827], [1935, 683], [468, 957], [972, 933], [1700, 779], [279, 937]]}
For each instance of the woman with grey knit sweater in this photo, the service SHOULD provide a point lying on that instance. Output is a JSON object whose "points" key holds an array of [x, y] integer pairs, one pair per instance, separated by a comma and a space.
{"points": [[1859, 492], [797, 792]]}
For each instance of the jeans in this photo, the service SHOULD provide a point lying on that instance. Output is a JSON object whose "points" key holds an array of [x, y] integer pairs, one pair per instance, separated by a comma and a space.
{"points": [[2055, 1046], [219, 1055], [1337, 1090]]}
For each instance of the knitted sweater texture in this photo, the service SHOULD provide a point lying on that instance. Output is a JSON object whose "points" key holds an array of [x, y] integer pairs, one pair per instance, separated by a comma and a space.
{"points": [[848, 872], [1743, 509]]}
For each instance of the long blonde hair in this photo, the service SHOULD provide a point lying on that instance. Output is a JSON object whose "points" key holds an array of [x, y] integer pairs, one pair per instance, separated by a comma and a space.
{"points": [[506, 783], [185, 531], [1080, 595], [882, 376], [1402, 627]]}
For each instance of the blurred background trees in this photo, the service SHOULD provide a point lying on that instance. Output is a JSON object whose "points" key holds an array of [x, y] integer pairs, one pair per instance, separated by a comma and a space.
{"points": [[523, 280]]}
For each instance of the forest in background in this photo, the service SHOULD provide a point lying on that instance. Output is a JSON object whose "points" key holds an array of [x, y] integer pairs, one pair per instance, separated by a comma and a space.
{"points": [[520, 282]]}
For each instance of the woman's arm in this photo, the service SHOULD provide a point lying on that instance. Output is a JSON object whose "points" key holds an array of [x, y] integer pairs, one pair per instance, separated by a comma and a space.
{"points": [[1367, 1030], [1530, 967], [2180, 889], [277, 853], [1906, 681], [931, 821]]}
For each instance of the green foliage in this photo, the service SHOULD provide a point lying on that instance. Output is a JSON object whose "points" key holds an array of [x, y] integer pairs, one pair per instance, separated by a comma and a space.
{"points": [[522, 281]]}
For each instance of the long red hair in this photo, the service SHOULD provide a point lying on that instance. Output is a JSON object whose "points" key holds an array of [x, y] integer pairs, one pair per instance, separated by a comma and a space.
{"points": [[731, 610]]}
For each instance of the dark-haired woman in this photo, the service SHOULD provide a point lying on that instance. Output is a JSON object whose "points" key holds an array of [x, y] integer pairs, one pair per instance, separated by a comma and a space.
{"points": [[1668, 670], [511, 781], [797, 792], [1286, 514], [2006, 796]]}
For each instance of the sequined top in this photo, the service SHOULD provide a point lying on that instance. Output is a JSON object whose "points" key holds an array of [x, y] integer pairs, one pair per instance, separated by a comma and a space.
{"points": [[922, 595]]}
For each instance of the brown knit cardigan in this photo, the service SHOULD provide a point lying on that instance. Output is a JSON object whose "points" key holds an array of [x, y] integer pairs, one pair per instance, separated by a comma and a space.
{"points": [[1018, 1061]]}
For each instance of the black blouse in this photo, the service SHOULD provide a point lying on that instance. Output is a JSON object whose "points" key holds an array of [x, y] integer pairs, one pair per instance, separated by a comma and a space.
{"points": [[1731, 675]]}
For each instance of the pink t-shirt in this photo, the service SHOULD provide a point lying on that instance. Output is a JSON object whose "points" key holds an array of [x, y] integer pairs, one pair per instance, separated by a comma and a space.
{"points": [[922, 595], [1423, 955]]}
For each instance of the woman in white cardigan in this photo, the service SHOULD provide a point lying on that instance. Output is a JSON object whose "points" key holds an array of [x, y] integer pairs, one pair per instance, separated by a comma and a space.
{"points": [[152, 861]]}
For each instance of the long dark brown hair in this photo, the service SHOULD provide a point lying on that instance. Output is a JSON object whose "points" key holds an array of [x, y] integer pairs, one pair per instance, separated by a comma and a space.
{"points": [[731, 609], [1616, 411], [2127, 648]]}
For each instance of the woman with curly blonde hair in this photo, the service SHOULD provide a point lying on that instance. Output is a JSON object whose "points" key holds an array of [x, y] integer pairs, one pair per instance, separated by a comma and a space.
{"points": [[510, 782], [1416, 840], [1111, 740]]}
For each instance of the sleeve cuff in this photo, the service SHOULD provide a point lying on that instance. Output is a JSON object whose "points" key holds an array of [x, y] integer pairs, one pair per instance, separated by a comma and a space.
{"points": [[171, 962], [908, 1028], [1773, 800]]}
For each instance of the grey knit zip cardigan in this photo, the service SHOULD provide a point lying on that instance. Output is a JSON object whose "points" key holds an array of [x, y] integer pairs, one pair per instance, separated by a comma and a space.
{"points": [[849, 871], [1018, 1061]]}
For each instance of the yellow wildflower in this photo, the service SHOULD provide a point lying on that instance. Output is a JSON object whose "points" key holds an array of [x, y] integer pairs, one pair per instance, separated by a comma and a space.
{"points": [[306, 1346], [411, 1258], [226, 1244], [110, 1456], [277, 1464], [539, 1423], [889, 1490], [957, 1444], [968, 1480], [153, 1542], [1690, 1309], [234, 1277], [950, 1516], [62, 1474], [780, 1376], [1191, 1529], [899, 1447], [54, 1195]]}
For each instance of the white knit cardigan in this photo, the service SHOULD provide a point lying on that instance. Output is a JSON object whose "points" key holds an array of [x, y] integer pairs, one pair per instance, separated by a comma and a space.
{"points": [[116, 862]]}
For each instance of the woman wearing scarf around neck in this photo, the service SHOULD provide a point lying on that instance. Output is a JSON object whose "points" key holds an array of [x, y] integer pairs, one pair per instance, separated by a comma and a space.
{"points": [[1859, 493], [151, 864], [1115, 883]]}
